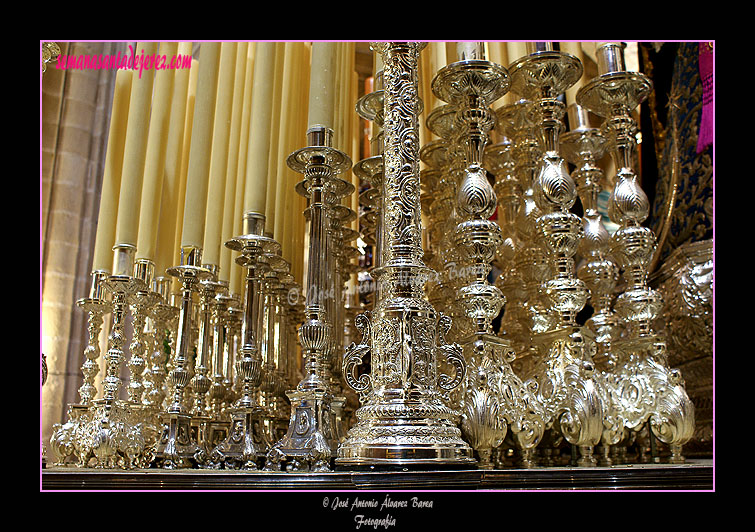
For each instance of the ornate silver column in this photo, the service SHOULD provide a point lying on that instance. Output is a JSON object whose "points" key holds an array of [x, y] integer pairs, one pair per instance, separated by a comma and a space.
{"points": [[649, 390], [405, 418]]}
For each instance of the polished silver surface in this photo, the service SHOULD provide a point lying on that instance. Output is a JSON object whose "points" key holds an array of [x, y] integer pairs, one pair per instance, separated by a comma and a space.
{"points": [[311, 440], [479, 224], [405, 417]]}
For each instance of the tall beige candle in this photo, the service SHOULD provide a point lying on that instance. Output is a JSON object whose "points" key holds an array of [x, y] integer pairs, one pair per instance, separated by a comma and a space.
{"points": [[219, 155], [499, 53], [134, 151], [321, 84], [436, 59], [338, 89], [258, 150], [425, 93], [287, 121], [450, 52], [185, 152], [154, 165], [301, 125], [111, 179], [355, 143], [173, 185], [237, 276], [514, 50], [234, 151], [347, 101], [298, 124], [197, 178], [272, 164]]}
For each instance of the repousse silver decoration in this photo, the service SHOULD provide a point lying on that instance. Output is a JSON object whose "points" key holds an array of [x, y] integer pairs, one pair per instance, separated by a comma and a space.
{"points": [[405, 418], [564, 369]]}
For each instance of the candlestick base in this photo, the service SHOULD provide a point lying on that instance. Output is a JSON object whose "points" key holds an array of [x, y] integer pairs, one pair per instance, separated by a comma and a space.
{"points": [[310, 442], [404, 420], [246, 442], [567, 389], [176, 449], [64, 442], [110, 436], [650, 393]]}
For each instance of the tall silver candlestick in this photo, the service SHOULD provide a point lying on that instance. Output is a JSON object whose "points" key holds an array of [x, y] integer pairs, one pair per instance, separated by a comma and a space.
{"points": [[650, 391], [493, 397], [404, 418], [565, 369], [583, 146], [310, 442]]}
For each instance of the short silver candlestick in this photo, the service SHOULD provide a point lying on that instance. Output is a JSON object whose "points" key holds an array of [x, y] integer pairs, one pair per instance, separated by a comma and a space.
{"points": [[64, 445], [247, 440], [176, 448]]}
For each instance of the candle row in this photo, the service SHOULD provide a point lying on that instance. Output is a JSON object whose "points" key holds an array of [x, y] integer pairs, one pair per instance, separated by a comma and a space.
{"points": [[191, 151]]}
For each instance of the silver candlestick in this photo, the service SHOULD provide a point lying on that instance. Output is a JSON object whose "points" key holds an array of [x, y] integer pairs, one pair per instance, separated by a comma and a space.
{"points": [[404, 418], [583, 146], [222, 350], [370, 170], [163, 317], [203, 380], [247, 441], [565, 369], [650, 391], [310, 442], [111, 434], [176, 449], [64, 444], [493, 398]]}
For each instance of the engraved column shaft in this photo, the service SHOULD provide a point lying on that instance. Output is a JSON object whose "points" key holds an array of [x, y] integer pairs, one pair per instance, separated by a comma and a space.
{"points": [[403, 418], [402, 238]]}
